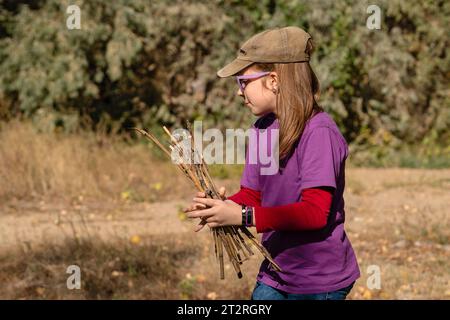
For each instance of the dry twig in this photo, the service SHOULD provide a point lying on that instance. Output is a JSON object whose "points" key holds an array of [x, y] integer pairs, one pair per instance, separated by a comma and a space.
{"points": [[237, 240]]}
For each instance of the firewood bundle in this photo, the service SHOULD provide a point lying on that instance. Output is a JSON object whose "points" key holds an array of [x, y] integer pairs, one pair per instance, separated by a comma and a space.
{"points": [[237, 241]]}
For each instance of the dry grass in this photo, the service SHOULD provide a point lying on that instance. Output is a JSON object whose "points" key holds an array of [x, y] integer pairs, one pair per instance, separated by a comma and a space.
{"points": [[34, 165], [111, 191], [157, 267], [398, 219]]}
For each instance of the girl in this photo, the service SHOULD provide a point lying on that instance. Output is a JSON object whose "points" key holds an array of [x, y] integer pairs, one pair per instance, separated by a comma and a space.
{"points": [[300, 208]]}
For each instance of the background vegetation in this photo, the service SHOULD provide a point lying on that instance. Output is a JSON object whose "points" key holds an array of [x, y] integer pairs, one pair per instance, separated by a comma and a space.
{"points": [[77, 188], [145, 63]]}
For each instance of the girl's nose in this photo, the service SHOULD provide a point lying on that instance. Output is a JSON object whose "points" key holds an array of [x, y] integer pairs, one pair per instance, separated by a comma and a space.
{"points": [[239, 92]]}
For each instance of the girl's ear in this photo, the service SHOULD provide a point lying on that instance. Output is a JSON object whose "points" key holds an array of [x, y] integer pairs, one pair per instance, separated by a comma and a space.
{"points": [[273, 81]]}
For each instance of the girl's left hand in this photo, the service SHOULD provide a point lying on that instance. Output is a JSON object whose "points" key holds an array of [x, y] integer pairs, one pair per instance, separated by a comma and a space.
{"points": [[220, 212]]}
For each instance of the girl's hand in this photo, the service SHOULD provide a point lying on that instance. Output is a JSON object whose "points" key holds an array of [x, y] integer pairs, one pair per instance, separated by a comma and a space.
{"points": [[198, 206], [195, 205], [219, 212]]}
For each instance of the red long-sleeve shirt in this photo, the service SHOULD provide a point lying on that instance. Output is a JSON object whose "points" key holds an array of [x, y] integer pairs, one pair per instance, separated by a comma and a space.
{"points": [[311, 213]]}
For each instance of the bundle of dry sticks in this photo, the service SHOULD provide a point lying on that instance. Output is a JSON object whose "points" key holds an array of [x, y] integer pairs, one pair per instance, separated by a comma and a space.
{"points": [[237, 240]]}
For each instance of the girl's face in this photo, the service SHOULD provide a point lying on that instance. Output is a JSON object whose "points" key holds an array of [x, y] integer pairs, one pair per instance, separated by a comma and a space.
{"points": [[258, 98]]}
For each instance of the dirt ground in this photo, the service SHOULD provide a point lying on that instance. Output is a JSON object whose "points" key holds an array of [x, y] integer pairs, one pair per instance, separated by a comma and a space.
{"points": [[397, 220]]}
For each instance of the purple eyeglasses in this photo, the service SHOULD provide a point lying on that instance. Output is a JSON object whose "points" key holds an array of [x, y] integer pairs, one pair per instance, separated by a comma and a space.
{"points": [[241, 80]]}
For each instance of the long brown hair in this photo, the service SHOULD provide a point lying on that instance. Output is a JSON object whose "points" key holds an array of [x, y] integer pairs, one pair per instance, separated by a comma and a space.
{"points": [[298, 92]]}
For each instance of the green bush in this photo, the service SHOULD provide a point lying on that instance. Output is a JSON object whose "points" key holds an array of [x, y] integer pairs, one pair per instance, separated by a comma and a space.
{"points": [[145, 62]]}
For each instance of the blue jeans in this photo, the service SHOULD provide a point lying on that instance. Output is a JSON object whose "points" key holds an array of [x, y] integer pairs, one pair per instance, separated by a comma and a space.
{"points": [[265, 292]]}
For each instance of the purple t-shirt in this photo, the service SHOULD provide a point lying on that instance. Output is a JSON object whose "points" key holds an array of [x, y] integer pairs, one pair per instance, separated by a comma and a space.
{"points": [[311, 261]]}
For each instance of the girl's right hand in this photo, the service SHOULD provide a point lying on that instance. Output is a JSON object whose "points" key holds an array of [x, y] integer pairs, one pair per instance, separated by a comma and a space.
{"points": [[196, 206]]}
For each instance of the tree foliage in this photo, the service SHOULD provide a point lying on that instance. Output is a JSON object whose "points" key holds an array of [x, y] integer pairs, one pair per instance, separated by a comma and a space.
{"points": [[142, 62]]}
